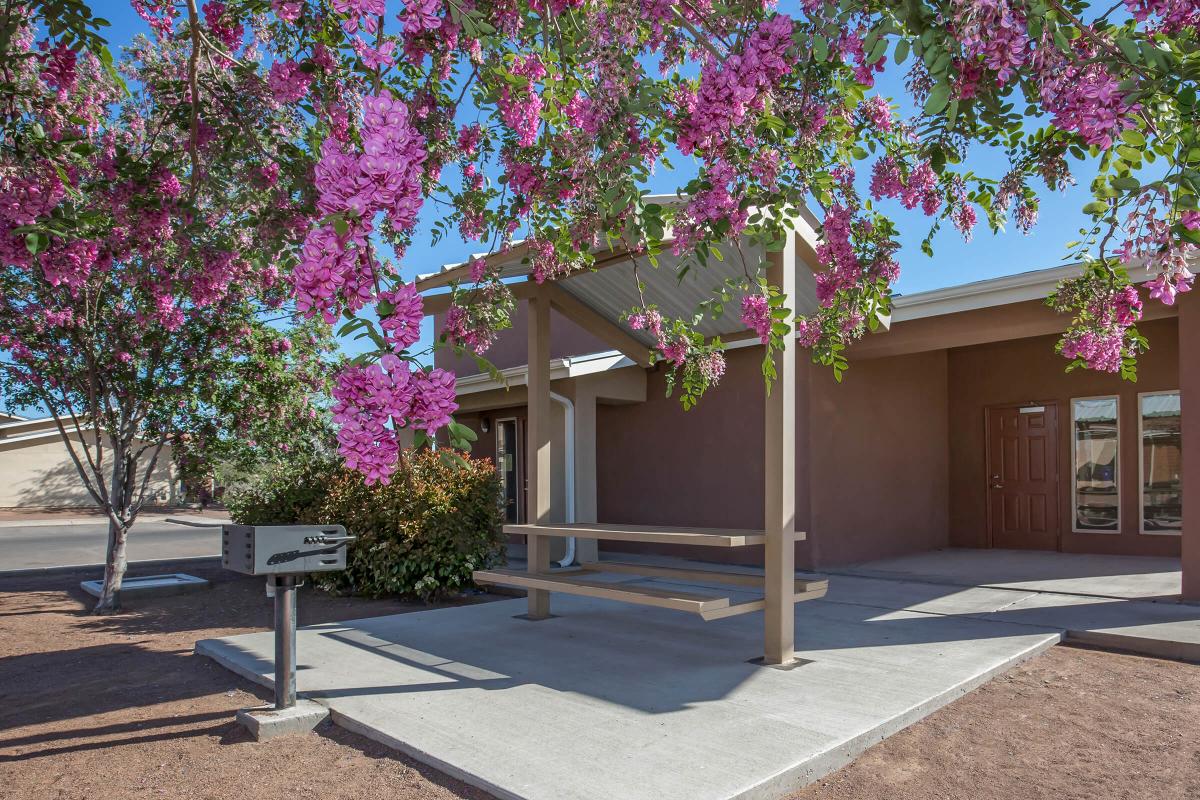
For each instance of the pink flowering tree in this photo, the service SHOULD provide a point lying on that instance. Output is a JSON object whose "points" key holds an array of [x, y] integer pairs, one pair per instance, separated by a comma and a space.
{"points": [[142, 250], [543, 120]]}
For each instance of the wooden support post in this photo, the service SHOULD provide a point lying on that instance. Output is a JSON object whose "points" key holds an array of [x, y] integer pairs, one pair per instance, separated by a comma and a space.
{"points": [[538, 448], [779, 477], [1189, 396]]}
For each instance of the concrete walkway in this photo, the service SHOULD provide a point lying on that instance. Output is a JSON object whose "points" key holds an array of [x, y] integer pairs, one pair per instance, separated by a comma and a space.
{"points": [[1127, 577]]}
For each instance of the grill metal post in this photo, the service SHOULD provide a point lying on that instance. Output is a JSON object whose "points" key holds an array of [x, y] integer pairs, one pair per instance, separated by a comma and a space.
{"points": [[285, 641]]}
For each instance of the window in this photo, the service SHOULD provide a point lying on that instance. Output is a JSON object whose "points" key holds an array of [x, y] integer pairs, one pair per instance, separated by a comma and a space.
{"points": [[1161, 462], [1097, 497]]}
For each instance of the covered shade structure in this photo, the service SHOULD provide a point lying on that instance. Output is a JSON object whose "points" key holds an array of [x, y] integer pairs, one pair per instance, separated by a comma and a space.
{"points": [[596, 300]]}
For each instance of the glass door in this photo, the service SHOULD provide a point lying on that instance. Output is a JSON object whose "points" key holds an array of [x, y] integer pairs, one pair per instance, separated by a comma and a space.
{"points": [[506, 463]]}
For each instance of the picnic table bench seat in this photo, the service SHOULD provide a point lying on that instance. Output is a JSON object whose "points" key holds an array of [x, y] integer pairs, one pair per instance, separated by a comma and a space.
{"points": [[708, 606]]}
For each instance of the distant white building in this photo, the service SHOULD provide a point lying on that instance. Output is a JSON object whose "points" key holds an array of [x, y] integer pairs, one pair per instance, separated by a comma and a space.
{"points": [[36, 470]]}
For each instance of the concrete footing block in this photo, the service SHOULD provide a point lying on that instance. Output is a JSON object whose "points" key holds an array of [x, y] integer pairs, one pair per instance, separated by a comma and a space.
{"points": [[151, 585], [267, 722]]}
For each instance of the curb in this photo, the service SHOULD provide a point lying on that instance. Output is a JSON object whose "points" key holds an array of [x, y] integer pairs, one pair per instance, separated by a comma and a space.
{"points": [[67, 522], [69, 568]]}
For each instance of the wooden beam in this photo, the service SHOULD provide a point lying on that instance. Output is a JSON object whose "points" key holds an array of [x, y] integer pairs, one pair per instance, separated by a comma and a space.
{"points": [[779, 478], [811, 593], [440, 303], [657, 534], [608, 331], [572, 583], [538, 448], [461, 272], [514, 255]]}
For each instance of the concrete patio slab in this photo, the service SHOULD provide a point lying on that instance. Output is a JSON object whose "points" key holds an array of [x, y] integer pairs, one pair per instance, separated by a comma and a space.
{"points": [[612, 701], [1128, 577], [1163, 630]]}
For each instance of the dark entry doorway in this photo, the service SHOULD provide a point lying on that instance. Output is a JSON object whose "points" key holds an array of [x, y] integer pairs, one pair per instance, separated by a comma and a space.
{"points": [[1022, 477], [510, 469]]}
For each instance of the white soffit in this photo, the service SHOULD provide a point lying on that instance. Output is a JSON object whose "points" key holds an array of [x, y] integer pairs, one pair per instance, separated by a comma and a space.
{"points": [[1019, 288], [573, 367]]}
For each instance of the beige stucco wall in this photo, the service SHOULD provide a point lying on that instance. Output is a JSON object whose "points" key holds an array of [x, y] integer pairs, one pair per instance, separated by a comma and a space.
{"points": [[40, 474]]}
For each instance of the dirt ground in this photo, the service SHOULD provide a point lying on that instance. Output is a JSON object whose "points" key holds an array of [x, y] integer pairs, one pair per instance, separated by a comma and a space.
{"points": [[119, 707]]}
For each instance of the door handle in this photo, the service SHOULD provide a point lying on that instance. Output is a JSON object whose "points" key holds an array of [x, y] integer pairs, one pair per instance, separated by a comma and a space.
{"points": [[997, 485]]}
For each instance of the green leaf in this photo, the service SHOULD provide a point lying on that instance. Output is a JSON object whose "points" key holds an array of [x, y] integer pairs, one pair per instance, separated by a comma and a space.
{"points": [[938, 98], [820, 48], [1130, 49], [1133, 137], [35, 243], [1095, 207], [462, 432], [901, 54]]}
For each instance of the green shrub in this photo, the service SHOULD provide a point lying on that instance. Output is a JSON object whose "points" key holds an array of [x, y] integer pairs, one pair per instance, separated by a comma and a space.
{"points": [[420, 536]]}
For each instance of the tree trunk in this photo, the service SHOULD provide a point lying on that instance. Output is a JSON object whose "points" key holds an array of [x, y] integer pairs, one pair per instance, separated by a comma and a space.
{"points": [[114, 567], [121, 515]]}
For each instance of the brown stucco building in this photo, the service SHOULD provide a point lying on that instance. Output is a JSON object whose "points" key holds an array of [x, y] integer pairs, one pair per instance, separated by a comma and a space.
{"points": [[957, 427]]}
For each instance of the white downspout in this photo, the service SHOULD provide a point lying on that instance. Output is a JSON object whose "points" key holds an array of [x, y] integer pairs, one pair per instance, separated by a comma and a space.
{"points": [[569, 470]]}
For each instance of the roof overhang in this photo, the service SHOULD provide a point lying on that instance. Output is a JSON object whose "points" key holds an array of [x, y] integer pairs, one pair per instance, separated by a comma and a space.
{"points": [[560, 368], [600, 297]]}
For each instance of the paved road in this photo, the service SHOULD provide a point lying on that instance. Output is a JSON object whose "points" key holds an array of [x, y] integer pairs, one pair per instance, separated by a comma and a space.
{"points": [[29, 547]]}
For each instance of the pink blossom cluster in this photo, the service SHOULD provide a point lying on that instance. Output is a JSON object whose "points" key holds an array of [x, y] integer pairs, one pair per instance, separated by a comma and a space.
{"points": [[371, 401], [224, 27], [333, 271], [219, 271], [673, 348], [419, 16], [1151, 240], [545, 263], [731, 89], [996, 33], [920, 187], [22, 201], [58, 71], [850, 46], [288, 83], [459, 327], [963, 213], [715, 204], [70, 264], [469, 139], [756, 315], [876, 113], [1026, 214], [385, 177], [836, 253], [1100, 350], [1174, 15], [287, 10], [711, 366], [581, 114], [402, 327], [521, 108], [1086, 99], [159, 14], [1105, 311]]}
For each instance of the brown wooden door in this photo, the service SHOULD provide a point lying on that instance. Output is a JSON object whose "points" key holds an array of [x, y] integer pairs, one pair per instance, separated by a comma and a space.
{"points": [[1022, 477]]}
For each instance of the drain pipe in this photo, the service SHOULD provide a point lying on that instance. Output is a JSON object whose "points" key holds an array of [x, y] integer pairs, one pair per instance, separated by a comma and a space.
{"points": [[569, 476]]}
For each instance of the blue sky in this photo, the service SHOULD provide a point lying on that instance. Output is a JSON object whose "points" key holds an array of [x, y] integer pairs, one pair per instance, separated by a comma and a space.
{"points": [[954, 261]]}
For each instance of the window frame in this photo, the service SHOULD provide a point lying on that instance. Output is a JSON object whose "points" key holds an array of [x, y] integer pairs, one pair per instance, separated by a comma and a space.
{"points": [[1142, 466], [1075, 468]]}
